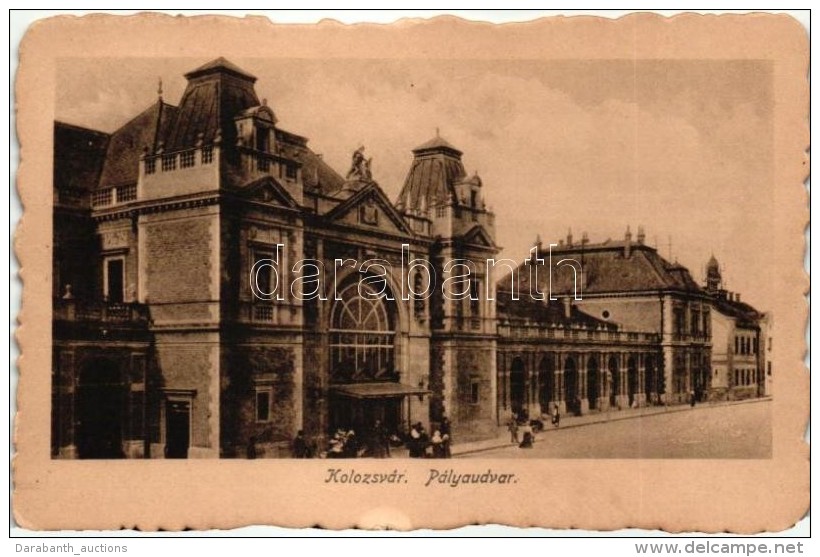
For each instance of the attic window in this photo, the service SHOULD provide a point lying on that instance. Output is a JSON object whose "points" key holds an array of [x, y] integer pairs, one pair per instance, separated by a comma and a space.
{"points": [[186, 159], [605, 314], [262, 139]]}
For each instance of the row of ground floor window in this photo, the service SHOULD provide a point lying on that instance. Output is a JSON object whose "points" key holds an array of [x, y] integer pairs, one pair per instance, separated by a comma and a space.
{"points": [[532, 381], [107, 406]]}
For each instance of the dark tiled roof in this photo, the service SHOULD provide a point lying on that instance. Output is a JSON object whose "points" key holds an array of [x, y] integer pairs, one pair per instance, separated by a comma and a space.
{"points": [[219, 65], [436, 168], [216, 93], [743, 313], [438, 143], [79, 154], [545, 313], [127, 143], [607, 270], [317, 174]]}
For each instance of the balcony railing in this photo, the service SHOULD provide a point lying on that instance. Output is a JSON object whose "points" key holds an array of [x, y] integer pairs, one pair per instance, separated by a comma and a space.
{"points": [[102, 312], [114, 196], [576, 334], [170, 162], [690, 337]]}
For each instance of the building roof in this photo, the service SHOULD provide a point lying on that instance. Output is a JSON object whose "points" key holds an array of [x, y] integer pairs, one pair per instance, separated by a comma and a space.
{"points": [[220, 65], [317, 175], [126, 146], [79, 154], [545, 313], [438, 143], [209, 104], [744, 314], [607, 269], [431, 181]]}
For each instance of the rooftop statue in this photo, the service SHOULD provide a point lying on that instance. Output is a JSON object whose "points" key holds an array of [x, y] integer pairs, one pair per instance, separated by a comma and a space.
{"points": [[359, 167]]}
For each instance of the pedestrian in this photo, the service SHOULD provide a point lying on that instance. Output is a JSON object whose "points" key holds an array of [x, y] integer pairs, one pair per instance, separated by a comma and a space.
{"points": [[512, 426], [377, 444], [299, 447], [446, 436], [351, 445], [527, 437], [692, 399], [414, 444], [556, 415], [438, 444], [251, 449]]}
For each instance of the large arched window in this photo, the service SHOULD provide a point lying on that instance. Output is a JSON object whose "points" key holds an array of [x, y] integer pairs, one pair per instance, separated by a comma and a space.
{"points": [[361, 336]]}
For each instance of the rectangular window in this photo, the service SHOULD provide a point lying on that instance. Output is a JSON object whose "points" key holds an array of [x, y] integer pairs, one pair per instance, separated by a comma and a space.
{"points": [[262, 275], [262, 163], [290, 171], [169, 162], [262, 139], [263, 404], [754, 346], [207, 155], [737, 344], [186, 159], [102, 197], [115, 280], [150, 165], [475, 301], [680, 321], [475, 393]]}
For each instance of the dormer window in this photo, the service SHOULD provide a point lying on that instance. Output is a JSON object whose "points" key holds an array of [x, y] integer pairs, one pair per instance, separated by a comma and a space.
{"points": [[262, 139]]}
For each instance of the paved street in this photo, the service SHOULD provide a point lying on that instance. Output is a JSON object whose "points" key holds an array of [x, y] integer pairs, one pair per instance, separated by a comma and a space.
{"points": [[722, 431]]}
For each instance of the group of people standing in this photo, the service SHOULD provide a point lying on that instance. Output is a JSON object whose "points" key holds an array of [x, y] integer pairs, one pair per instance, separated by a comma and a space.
{"points": [[522, 429], [422, 445], [376, 443]]}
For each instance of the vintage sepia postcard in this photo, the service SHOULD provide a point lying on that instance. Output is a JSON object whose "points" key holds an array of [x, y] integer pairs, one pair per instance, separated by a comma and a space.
{"points": [[418, 275]]}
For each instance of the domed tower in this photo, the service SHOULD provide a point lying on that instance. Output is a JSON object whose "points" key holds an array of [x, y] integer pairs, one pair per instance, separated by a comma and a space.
{"points": [[713, 278], [462, 324]]}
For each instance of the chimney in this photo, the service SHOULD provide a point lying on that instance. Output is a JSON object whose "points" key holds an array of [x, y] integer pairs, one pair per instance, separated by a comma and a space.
{"points": [[628, 243], [737, 296], [641, 236], [567, 307], [569, 237]]}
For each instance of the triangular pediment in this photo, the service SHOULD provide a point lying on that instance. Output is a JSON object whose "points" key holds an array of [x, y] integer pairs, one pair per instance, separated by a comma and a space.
{"points": [[370, 208], [268, 190], [478, 235]]}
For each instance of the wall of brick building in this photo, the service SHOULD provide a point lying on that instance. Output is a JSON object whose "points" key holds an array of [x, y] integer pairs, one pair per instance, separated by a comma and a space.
{"points": [[272, 363], [189, 362], [180, 257], [118, 239]]}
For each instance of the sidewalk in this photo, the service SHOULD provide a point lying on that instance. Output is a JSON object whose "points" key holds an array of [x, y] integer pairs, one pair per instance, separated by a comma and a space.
{"points": [[503, 438]]}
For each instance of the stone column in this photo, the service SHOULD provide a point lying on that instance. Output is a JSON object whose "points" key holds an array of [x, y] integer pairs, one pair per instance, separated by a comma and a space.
{"points": [[583, 387], [623, 394], [559, 384], [640, 393]]}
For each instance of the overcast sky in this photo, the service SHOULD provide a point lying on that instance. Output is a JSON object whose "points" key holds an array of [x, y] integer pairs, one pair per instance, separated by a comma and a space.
{"points": [[682, 148]]}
